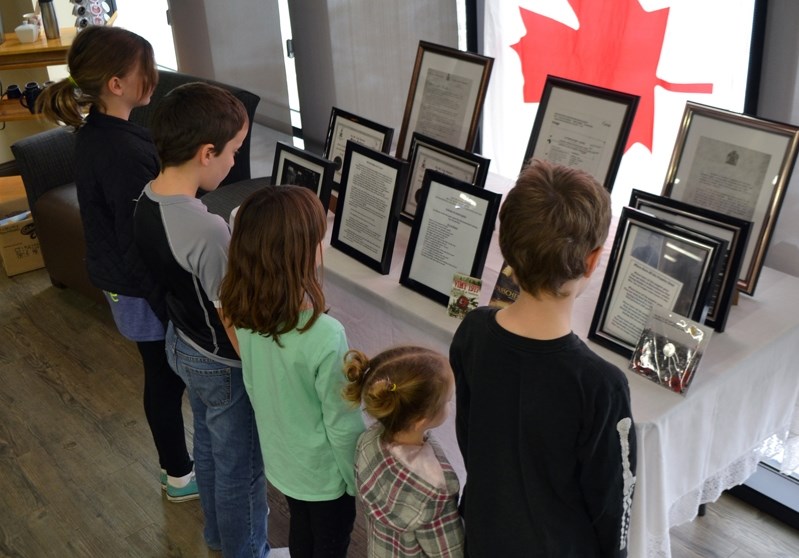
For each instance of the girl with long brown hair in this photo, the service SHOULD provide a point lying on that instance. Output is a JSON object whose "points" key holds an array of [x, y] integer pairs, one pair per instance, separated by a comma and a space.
{"points": [[292, 356]]}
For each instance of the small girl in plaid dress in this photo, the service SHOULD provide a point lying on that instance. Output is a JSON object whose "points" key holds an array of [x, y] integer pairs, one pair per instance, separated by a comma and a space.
{"points": [[408, 488]]}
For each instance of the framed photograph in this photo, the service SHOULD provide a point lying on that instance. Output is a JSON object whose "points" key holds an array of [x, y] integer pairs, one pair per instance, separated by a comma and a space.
{"points": [[737, 165], [301, 168], [345, 126], [429, 154], [734, 231], [652, 263], [446, 95], [369, 199], [582, 126], [451, 234]]}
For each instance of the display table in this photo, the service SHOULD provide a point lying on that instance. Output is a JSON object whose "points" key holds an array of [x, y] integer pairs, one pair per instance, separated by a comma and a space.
{"points": [[690, 448]]}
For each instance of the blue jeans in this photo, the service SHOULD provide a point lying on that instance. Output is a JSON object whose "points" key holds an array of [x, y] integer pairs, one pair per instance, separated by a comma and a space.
{"points": [[227, 455]]}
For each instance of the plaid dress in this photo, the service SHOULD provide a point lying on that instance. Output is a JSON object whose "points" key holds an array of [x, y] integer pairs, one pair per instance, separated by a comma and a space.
{"points": [[406, 515]]}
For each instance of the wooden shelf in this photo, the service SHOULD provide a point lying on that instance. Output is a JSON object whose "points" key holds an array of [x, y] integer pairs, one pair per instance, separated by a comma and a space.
{"points": [[42, 52], [11, 110]]}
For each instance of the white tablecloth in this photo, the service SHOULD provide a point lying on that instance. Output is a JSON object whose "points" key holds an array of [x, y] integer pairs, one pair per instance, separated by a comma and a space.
{"points": [[690, 448]]}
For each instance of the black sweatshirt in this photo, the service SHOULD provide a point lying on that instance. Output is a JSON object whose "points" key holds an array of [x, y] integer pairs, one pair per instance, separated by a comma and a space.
{"points": [[546, 433]]}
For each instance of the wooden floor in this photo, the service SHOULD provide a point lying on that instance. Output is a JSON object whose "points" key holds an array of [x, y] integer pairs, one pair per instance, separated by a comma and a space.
{"points": [[78, 475]]}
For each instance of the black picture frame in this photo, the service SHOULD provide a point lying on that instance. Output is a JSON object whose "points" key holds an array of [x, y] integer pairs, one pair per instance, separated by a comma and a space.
{"points": [[433, 278], [582, 126], [650, 263], [738, 165], [296, 166], [462, 78], [731, 229], [428, 153], [345, 126], [361, 208]]}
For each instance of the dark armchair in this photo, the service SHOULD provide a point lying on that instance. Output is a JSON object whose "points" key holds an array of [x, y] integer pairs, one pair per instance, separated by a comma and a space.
{"points": [[46, 163]]}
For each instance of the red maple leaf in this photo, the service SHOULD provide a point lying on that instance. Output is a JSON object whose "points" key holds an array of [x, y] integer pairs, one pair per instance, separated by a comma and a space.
{"points": [[617, 46]]}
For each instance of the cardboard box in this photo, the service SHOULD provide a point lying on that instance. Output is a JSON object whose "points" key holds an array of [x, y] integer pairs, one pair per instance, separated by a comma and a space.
{"points": [[19, 247]]}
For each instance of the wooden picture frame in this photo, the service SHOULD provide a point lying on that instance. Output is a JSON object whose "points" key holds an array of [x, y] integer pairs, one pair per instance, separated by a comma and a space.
{"points": [[345, 126], [428, 153], [367, 213], [652, 263], [582, 126], [730, 229], [451, 234], [446, 96], [737, 165], [296, 166]]}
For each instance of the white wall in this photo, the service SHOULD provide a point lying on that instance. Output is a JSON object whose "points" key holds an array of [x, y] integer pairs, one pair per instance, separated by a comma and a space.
{"points": [[237, 43], [358, 55], [779, 100]]}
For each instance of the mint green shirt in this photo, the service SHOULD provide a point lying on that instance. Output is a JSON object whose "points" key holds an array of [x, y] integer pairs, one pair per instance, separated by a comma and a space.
{"points": [[307, 431]]}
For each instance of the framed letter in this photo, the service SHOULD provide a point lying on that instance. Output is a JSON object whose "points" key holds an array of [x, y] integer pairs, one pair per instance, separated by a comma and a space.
{"points": [[451, 234], [366, 220], [583, 127], [446, 95], [652, 263], [301, 168], [429, 154], [737, 165], [345, 127], [730, 229]]}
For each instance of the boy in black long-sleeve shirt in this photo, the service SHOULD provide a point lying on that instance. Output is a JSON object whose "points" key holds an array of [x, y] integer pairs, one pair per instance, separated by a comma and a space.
{"points": [[544, 424]]}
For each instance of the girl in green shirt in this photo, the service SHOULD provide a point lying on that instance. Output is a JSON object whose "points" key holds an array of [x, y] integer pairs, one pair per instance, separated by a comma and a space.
{"points": [[292, 355]]}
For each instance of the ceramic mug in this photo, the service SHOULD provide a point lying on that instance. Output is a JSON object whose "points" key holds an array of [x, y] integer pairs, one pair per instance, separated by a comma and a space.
{"points": [[29, 96], [13, 91]]}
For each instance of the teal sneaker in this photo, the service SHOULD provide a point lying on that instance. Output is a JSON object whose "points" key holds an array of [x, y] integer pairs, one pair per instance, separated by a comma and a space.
{"points": [[163, 480], [183, 494]]}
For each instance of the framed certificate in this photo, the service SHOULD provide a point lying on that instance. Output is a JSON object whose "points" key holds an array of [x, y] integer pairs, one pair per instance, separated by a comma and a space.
{"points": [[301, 168], [734, 231], [369, 200], [451, 234], [446, 96], [737, 165], [429, 154], [344, 127], [652, 263], [582, 126]]}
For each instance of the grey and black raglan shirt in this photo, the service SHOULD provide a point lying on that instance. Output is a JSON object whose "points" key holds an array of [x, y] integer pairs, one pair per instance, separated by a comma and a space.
{"points": [[186, 249]]}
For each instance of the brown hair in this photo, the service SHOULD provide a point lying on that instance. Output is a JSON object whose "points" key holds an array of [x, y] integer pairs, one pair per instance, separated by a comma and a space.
{"points": [[271, 272], [550, 221], [193, 115], [97, 54], [398, 386]]}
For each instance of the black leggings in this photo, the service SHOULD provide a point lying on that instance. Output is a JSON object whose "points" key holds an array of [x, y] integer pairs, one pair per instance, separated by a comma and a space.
{"points": [[163, 398], [320, 529]]}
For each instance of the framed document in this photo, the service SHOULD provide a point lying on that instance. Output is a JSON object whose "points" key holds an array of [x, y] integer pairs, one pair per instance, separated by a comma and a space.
{"points": [[446, 95], [429, 154], [451, 234], [734, 231], [344, 127], [369, 200], [583, 127], [652, 263], [737, 165], [301, 168]]}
